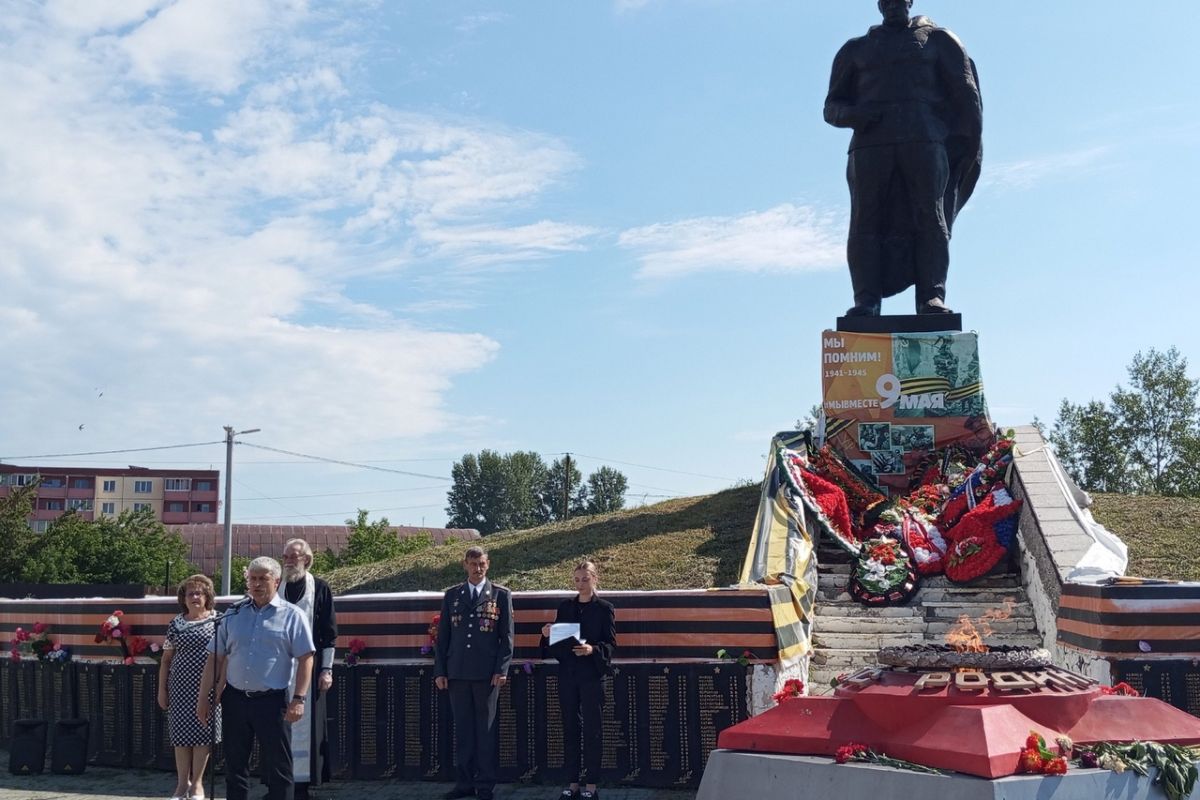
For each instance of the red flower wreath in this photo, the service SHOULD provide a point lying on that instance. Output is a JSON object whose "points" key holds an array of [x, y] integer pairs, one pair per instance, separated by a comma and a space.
{"points": [[832, 501]]}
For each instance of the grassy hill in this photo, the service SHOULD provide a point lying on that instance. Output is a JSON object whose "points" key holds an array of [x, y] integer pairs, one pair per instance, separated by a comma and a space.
{"points": [[701, 541], [678, 544], [1163, 533]]}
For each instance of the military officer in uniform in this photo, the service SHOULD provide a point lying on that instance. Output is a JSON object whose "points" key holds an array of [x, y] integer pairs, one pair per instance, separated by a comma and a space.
{"points": [[471, 659]]}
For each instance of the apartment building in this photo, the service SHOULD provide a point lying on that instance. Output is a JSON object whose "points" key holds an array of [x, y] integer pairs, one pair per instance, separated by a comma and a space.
{"points": [[177, 496]]}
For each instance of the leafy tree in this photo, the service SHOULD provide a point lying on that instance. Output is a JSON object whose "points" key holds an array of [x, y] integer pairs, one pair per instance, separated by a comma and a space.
{"points": [[15, 536], [606, 491], [525, 475], [477, 497], [237, 576], [1146, 438], [493, 492], [1158, 418], [132, 548], [1091, 448], [370, 542], [555, 488]]}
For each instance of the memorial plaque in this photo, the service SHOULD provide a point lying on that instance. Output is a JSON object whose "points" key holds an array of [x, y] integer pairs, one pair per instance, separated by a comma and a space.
{"points": [[8, 703], [554, 728], [85, 691], [682, 728], [616, 749], [636, 725], [339, 724], [414, 743], [58, 691], [506, 734], [29, 699], [145, 716], [115, 723], [524, 702], [658, 704], [440, 724], [1174, 682], [711, 704], [660, 722], [378, 723], [1192, 692]]}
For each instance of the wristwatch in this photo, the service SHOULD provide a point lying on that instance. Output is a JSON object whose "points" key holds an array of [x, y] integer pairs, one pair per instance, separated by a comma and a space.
{"points": [[298, 698]]}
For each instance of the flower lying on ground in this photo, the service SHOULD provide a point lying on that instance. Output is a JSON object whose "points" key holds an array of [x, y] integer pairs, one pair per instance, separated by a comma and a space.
{"points": [[853, 751], [1122, 689], [1175, 766], [1037, 759]]}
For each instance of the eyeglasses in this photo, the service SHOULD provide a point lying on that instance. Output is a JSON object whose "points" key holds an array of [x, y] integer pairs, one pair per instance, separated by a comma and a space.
{"points": [[196, 594]]}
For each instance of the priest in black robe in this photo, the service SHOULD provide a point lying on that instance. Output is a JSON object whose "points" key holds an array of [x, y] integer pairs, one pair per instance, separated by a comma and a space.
{"points": [[310, 743]]}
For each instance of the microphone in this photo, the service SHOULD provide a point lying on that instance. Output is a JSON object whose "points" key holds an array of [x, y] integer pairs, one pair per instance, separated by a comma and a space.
{"points": [[238, 606]]}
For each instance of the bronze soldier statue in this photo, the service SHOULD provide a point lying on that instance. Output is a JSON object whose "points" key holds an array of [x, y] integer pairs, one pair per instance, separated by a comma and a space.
{"points": [[911, 94]]}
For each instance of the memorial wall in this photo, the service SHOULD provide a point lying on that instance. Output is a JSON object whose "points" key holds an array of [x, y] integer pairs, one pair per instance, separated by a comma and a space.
{"points": [[389, 722], [669, 699]]}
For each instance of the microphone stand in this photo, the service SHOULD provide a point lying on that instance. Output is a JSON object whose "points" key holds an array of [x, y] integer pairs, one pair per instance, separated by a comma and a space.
{"points": [[212, 714]]}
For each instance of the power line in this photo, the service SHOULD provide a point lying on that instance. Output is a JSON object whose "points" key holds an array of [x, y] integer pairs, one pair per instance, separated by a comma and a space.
{"points": [[111, 452], [345, 463], [337, 494], [350, 513], [658, 469], [275, 501]]}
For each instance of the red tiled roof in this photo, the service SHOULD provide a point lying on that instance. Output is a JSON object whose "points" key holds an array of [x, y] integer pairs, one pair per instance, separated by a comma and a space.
{"points": [[207, 539]]}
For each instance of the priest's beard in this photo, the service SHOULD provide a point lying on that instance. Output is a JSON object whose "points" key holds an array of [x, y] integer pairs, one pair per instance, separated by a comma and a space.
{"points": [[296, 573]]}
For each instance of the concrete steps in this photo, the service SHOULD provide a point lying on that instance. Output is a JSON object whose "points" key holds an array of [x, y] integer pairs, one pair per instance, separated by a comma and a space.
{"points": [[847, 635]]}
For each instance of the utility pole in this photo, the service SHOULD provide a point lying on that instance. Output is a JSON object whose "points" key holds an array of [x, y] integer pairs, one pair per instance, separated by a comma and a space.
{"points": [[227, 558], [566, 486]]}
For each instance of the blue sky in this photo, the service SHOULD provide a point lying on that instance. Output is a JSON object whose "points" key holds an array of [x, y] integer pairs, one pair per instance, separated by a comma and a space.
{"points": [[394, 233]]}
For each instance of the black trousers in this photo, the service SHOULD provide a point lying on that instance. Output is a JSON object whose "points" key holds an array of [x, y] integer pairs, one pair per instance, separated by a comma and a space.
{"points": [[477, 755], [580, 703], [245, 718]]}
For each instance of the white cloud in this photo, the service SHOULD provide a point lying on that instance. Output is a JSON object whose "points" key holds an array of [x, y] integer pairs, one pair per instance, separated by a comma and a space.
{"points": [[186, 191], [1029, 172], [786, 238], [207, 42]]}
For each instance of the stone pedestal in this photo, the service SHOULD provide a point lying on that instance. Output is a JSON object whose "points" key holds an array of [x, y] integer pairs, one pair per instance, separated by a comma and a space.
{"points": [[901, 323], [733, 774]]}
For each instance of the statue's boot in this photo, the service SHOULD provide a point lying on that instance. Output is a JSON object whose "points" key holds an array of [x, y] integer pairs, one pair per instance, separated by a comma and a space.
{"points": [[865, 255], [933, 263]]}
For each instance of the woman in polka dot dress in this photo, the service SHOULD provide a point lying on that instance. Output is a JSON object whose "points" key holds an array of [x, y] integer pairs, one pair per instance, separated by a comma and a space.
{"points": [[184, 654]]}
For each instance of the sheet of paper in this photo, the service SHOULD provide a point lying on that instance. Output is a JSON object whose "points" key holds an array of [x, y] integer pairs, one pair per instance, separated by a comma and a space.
{"points": [[564, 630]]}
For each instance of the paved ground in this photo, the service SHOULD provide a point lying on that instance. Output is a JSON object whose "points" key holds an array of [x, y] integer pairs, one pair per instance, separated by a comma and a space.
{"points": [[105, 783]]}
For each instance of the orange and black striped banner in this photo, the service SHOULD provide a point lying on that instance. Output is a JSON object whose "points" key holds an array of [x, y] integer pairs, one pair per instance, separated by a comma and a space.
{"points": [[688, 625], [1149, 620]]}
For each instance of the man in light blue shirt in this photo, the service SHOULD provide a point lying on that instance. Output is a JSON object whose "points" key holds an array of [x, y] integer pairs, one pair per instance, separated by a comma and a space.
{"points": [[260, 641]]}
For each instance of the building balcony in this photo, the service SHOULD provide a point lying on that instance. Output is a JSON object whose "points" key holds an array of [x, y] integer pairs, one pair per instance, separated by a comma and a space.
{"points": [[201, 497], [176, 517], [52, 491], [40, 514], [75, 494]]}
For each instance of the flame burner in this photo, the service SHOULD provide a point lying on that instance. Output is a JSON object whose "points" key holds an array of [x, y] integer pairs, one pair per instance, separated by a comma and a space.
{"points": [[947, 657]]}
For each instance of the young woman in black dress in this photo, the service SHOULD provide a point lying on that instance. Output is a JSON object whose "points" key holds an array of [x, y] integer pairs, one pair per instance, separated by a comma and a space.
{"points": [[581, 672]]}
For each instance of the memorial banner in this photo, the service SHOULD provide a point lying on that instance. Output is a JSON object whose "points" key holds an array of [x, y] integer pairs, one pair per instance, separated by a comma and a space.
{"points": [[889, 399]]}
